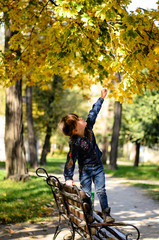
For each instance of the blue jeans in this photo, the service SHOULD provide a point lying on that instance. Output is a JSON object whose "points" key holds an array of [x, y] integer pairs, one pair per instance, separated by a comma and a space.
{"points": [[96, 174]]}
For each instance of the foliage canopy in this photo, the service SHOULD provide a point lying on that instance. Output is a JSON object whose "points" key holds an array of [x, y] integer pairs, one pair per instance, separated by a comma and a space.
{"points": [[140, 121], [83, 41]]}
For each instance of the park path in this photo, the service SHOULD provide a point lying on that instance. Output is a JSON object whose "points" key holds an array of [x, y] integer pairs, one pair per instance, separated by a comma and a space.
{"points": [[128, 204]]}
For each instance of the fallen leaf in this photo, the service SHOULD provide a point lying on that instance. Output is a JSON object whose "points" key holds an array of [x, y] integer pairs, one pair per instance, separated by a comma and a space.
{"points": [[8, 230], [29, 233]]}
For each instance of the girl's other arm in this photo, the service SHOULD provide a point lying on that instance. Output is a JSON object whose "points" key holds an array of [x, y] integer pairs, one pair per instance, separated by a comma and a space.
{"points": [[70, 165]]}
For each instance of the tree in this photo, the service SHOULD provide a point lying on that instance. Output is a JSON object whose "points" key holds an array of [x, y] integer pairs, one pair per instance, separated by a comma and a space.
{"points": [[85, 41], [96, 38], [108, 131], [50, 106], [51, 113], [14, 146], [45, 104], [115, 135], [137, 154], [140, 122], [30, 128]]}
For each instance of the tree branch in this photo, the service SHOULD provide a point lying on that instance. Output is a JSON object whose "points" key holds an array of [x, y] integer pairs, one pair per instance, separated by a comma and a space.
{"points": [[52, 1]]}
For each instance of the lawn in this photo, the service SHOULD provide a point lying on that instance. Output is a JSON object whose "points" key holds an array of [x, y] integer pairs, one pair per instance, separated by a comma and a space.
{"points": [[23, 201], [54, 165], [32, 200], [143, 172], [27, 201]]}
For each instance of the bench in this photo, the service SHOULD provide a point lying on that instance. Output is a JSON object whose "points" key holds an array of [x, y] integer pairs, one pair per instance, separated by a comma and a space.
{"points": [[73, 205]]}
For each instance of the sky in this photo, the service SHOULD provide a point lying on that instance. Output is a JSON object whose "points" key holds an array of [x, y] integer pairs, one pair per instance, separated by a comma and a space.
{"points": [[143, 4], [146, 4]]}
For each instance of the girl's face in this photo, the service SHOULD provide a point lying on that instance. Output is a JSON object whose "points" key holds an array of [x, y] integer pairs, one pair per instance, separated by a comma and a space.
{"points": [[80, 128]]}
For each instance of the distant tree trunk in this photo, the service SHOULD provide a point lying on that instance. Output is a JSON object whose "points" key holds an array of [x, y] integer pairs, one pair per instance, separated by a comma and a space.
{"points": [[137, 154], [105, 150], [61, 147], [108, 130], [116, 130], [115, 136], [46, 146], [14, 145], [30, 127]]}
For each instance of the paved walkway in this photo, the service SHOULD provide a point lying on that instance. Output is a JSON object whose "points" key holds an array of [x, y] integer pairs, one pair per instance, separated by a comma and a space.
{"points": [[129, 204]]}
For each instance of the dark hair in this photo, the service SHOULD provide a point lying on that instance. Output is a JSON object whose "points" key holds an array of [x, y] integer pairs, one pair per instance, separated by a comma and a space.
{"points": [[68, 123]]}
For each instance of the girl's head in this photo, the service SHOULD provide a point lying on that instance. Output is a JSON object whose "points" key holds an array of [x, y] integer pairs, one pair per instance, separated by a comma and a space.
{"points": [[71, 125]]}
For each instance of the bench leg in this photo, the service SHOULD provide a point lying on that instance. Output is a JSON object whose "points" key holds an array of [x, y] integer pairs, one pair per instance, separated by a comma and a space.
{"points": [[57, 228], [73, 234]]}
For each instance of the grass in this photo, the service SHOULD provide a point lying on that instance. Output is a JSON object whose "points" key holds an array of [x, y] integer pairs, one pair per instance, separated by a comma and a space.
{"points": [[54, 165], [23, 201], [143, 172], [27, 201], [2, 164], [33, 201]]}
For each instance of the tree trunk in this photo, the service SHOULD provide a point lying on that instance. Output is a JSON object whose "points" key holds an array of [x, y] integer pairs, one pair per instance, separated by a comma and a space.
{"points": [[105, 150], [107, 131], [14, 144], [137, 154], [46, 146], [115, 136], [30, 127]]}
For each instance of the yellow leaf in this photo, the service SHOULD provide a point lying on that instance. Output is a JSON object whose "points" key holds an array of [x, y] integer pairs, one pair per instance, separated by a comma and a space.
{"points": [[156, 49]]}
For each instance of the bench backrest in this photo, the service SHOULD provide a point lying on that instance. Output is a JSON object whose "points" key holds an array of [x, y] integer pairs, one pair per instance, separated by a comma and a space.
{"points": [[72, 203]]}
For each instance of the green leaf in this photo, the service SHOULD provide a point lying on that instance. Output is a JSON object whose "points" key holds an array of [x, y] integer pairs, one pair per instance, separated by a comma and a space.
{"points": [[131, 33], [79, 7], [85, 18]]}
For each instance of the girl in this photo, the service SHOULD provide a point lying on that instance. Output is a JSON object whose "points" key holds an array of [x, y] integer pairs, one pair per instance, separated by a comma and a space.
{"points": [[83, 147]]}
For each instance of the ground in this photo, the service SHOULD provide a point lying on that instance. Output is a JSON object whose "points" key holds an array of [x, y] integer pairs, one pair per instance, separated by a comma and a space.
{"points": [[128, 204]]}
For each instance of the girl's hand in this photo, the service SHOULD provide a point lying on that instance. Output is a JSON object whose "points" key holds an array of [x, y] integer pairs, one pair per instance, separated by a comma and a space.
{"points": [[104, 93], [69, 183]]}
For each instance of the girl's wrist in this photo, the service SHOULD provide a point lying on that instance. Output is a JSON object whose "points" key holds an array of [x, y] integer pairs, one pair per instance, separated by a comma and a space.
{"points": [[101, 98]]}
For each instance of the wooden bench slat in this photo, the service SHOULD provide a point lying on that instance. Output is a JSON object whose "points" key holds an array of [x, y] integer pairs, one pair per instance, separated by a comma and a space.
{"points": [[74, 203], [77, 212]]}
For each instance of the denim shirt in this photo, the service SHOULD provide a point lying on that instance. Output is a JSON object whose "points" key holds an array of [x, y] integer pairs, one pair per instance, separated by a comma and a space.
{"points": [[86, 151]]}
